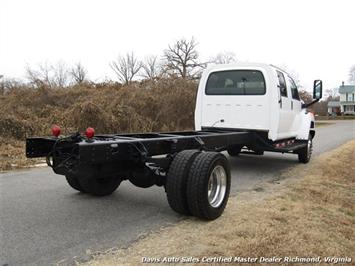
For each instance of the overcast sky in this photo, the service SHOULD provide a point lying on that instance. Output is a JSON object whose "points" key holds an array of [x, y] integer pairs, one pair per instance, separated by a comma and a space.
{"points": [[314, 38]]}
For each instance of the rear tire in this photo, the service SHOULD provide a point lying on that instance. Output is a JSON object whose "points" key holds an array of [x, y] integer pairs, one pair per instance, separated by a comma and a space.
{"points": [[305, 154], [74, 183], [176, 181], [100, 186], [234, 150], [208, 185]]}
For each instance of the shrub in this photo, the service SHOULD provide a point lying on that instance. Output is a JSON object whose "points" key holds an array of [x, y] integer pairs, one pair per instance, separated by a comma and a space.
{"points": [[159, 105]]}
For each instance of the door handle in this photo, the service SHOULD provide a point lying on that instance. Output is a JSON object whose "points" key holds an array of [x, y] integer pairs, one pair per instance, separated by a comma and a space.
{"points": [[291, 105]]}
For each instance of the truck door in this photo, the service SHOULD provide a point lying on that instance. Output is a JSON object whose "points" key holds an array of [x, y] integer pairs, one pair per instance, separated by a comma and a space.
{"points": [[286, 113], [295, 105]]}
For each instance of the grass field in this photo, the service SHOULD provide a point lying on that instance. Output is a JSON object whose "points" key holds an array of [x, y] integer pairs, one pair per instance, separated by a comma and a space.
{"points": [[147, 106], [12, 155], [309, 212]]}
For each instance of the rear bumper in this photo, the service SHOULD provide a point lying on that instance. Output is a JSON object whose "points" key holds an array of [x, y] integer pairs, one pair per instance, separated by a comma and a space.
{"points": [[39, 147]]}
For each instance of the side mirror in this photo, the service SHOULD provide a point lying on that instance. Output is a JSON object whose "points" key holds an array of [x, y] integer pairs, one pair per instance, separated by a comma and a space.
{"points": [[317, 89]]}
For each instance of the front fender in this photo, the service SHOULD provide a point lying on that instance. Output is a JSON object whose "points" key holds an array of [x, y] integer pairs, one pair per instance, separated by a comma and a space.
{"points": [[307, 126]]}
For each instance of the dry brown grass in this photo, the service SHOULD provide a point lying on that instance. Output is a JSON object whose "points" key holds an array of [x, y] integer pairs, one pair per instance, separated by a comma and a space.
{"points": [[164, 105], [310, 214], [12, 154]]}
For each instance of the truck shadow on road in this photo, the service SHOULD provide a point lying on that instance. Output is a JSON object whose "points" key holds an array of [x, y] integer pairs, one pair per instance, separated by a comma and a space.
{"points": [[250, 171], [135, 206], [268, 162], [247, 172]]}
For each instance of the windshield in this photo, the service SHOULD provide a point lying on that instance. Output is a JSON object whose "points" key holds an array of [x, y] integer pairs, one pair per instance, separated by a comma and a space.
{"points": [[236, 82]]}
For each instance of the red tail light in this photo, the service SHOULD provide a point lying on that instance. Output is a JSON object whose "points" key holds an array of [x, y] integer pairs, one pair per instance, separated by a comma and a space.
{"points": [[90, 132], [55, 131]]}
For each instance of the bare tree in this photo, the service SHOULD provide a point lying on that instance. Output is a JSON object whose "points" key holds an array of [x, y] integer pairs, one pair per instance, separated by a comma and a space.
{"points": [[224, 58], [151, 67], [126, 67], [321, 108], [182, 58], [78, 73], [352, 75], [332, 94], [50, 75], [39, 76], [60, 74], [9, 84]]}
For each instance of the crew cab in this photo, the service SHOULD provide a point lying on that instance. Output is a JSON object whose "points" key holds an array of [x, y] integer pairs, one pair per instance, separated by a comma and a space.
{"points": [[254, 97]]}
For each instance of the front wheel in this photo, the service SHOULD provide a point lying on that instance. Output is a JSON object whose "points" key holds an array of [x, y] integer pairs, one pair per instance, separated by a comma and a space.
{"points": [[305, 154]]}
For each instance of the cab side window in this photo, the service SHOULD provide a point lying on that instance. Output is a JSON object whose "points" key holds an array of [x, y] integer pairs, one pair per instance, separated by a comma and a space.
{"points": [[294, 90], [282, 84]]}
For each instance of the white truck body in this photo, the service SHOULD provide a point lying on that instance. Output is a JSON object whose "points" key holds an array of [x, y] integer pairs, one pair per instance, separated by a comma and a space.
{"points": [[252, 96]]}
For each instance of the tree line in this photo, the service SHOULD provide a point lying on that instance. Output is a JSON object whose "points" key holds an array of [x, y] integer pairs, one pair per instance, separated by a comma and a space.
{"points": [[180, 59]]}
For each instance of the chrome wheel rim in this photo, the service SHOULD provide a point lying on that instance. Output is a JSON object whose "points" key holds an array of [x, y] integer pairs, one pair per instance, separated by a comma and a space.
{"points": [[217, 186]]}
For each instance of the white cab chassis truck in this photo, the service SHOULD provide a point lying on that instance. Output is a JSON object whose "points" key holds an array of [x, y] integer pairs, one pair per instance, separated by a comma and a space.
{"points": [[240, 108], [255, 97]]}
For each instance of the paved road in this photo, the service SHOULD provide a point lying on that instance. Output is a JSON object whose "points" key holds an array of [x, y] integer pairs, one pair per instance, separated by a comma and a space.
{"points": [[43, 221]]}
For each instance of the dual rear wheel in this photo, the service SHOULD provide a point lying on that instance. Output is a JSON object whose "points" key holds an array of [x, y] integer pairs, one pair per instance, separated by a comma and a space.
{"points": [[198, 184]]}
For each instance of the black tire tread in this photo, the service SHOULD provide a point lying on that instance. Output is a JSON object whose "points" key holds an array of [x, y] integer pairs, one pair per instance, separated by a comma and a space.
{"points": [[93, 187], [199, 171], [74, 183], [176, 181], [302, 155]]}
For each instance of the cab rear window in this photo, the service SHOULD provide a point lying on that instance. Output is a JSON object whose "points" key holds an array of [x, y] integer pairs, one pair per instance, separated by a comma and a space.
{"points": [[236, 82]]}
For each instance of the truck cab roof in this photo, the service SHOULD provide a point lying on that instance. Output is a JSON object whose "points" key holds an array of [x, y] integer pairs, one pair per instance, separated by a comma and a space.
{"points": [[243, 65]]}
